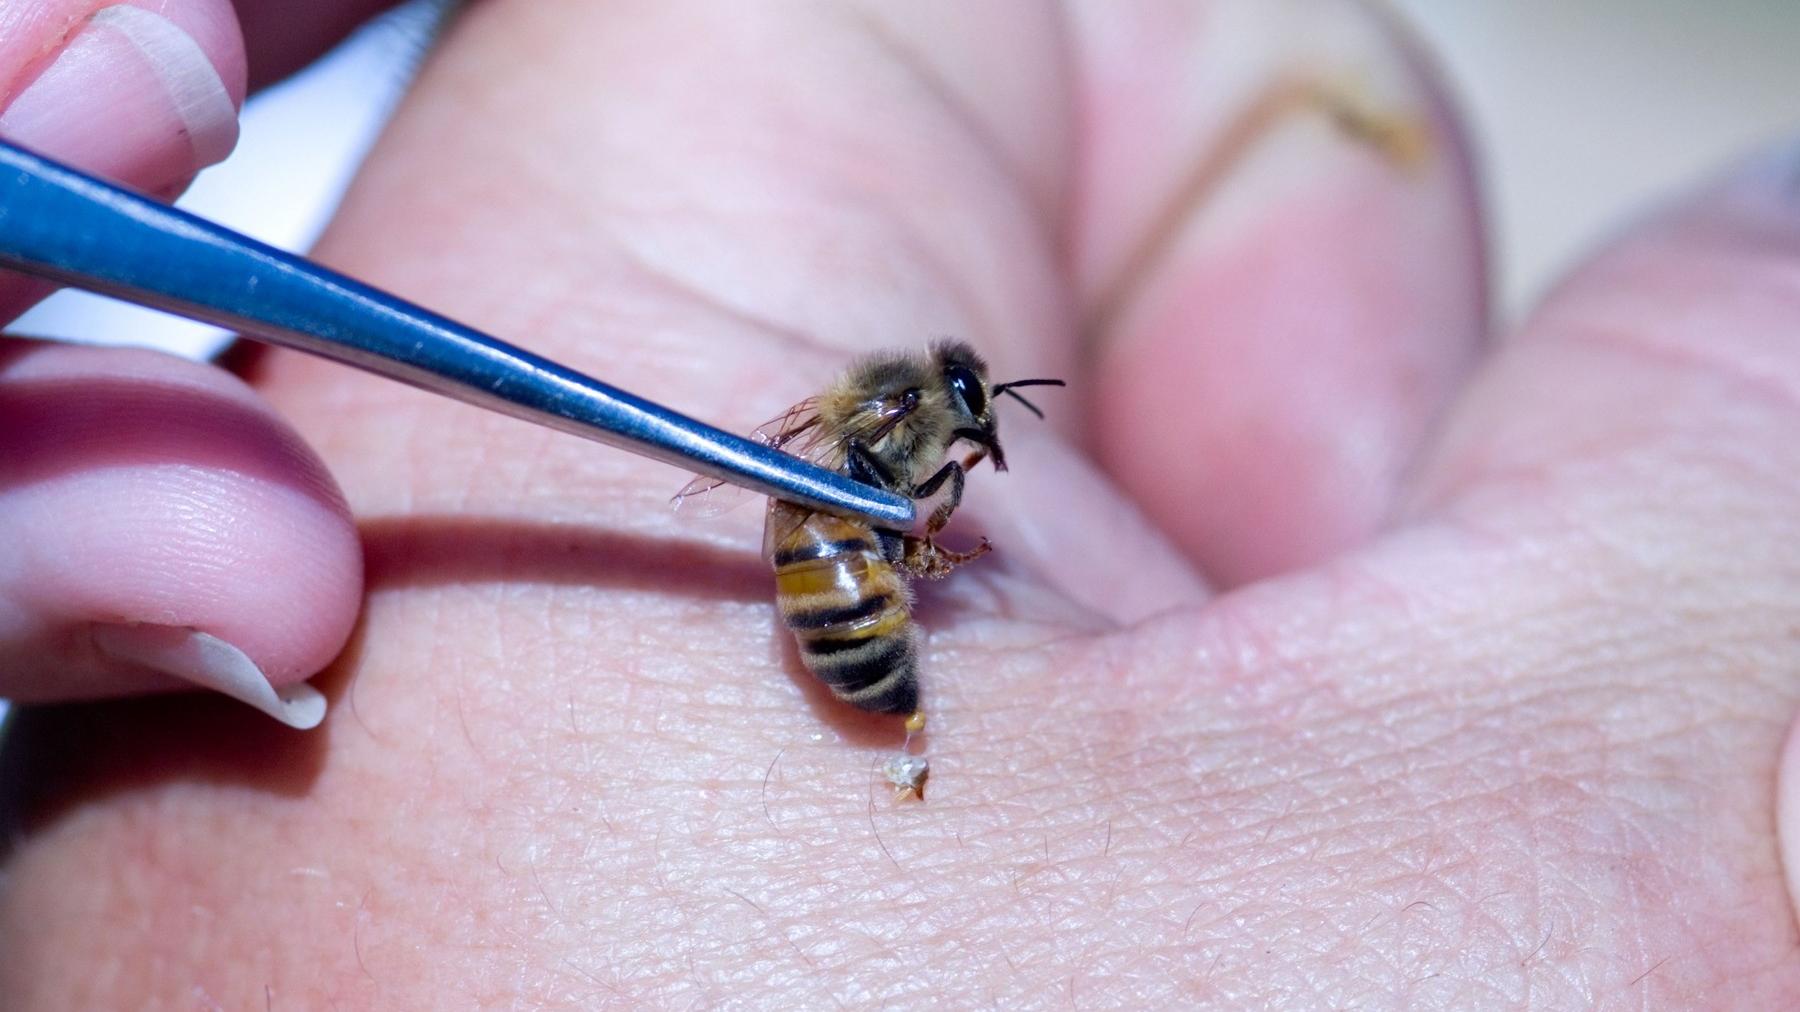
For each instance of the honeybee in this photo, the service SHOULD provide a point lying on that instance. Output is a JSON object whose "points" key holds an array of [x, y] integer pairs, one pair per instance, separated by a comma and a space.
{"points": [[842, 586]]}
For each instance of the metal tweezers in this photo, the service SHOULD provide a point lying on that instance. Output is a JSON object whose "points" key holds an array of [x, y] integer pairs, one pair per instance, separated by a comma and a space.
{"points": [[71, 228]]}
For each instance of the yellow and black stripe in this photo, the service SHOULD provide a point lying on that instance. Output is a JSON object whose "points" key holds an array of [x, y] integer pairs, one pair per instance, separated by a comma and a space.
{"points": [[849, 611]]}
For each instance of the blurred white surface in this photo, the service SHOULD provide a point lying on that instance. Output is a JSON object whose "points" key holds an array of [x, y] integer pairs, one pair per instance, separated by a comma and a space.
{"points": [[1588, 112]]}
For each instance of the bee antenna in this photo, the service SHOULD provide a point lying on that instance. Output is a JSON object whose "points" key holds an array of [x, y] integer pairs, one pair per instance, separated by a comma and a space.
{"points": [[1007, 389], [1015, 395]]}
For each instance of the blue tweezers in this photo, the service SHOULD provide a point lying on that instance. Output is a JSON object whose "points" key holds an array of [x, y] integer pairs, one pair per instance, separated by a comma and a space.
{"points": [[71, 228]]}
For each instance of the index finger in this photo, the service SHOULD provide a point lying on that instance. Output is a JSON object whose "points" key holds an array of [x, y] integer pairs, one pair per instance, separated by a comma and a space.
{"points": [[145, 96]]}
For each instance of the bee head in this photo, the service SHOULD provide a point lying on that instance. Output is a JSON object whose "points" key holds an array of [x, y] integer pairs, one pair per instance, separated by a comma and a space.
{"points": [[966, 376]]}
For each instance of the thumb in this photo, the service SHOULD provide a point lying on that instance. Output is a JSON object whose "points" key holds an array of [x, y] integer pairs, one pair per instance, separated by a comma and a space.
{"points": [[163, 527]]}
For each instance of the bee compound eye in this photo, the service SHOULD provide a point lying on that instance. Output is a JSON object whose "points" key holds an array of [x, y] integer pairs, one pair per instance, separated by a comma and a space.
{"points": [[968, 387]]}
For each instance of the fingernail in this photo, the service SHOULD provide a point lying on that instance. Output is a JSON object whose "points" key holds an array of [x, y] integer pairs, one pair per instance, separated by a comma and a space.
{"points": [[211, 663], [131, 96]]}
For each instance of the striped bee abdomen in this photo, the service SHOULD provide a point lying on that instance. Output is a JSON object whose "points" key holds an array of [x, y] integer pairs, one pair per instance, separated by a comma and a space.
{"points": [[848, 608]]}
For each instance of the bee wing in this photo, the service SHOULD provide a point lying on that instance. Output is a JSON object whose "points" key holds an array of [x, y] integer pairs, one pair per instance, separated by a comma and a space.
{"points": [[705, 498], [874, 419], [799, 431], [795, 431]]}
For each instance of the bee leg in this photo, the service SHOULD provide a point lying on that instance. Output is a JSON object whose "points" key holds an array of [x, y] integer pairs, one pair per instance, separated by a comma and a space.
{"points": [[866, 467], [925, 557], [952, 558], [954, 474]]}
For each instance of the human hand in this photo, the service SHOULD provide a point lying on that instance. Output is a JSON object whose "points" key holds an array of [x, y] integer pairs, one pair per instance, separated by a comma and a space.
{"points": [[164, 526], [1505, 733]]}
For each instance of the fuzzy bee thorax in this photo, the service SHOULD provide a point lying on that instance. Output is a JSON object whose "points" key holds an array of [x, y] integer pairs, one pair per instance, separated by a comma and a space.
{"points": [[911, 444]]}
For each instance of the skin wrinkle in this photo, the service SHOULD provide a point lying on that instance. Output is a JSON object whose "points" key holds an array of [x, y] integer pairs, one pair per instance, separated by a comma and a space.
{"points": [[671, 283], [1779, 392], [959, 110], [51, 43]]}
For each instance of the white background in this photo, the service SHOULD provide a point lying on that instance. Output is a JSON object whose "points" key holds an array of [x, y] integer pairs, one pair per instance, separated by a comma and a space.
{"points": [[1585, 112]]}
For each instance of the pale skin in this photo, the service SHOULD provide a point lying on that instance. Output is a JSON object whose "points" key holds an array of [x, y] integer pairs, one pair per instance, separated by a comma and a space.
{"points": [[1329, 655]]}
